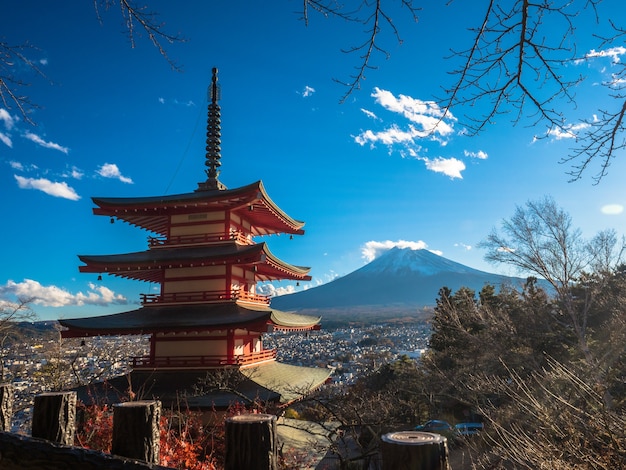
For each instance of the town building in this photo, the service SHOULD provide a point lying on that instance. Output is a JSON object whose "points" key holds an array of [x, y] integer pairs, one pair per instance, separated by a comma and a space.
{"points": [[206, 324]]}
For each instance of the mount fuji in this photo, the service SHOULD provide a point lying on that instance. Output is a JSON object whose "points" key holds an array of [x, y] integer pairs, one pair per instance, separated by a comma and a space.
{"points": [[400, 278]]}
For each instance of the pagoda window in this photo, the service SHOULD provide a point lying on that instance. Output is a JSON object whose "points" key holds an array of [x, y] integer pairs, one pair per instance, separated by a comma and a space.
{"points": [[217, 228], [199, 285], [239, 350], [237, 272], [190, 347], [205, 272], [183, 219], [198, 227]]}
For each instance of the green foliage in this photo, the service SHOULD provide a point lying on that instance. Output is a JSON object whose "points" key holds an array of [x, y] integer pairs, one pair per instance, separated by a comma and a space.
{"points": [[516, 359]]}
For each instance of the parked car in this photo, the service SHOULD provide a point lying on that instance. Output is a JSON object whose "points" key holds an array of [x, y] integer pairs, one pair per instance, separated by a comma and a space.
{"points": [[435, 425], [468, 429]]}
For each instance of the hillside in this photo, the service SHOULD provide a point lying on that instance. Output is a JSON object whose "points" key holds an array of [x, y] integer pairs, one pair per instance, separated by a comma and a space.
{"points": [[401, 280]]}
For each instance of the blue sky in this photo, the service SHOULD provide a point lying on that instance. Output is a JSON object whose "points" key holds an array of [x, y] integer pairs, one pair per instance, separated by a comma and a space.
{"points": [[364, 174]]}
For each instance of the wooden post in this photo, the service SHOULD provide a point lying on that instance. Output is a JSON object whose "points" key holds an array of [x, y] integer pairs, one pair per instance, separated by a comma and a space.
{"points": [[54, 417], [136, 432], [413, 450], [251, 442], [6, 406]]}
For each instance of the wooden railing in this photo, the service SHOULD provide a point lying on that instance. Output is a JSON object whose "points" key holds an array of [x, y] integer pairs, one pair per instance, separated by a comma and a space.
{"points": [[191, 362], [205, 296], [199, 239]]}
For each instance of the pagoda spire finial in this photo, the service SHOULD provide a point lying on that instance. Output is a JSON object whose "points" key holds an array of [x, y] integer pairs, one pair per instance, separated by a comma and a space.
{"points": [[213, 139]]}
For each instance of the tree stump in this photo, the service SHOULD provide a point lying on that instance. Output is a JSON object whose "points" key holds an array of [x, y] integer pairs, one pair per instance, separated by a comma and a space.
{"points": [[136, 432], [413, 450], [6, 406], [251, 442], [54, 417]]}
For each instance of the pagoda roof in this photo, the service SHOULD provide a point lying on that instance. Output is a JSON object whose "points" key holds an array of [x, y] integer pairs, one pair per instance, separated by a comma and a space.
{"points": [[293, 321], [251, 202], [181, 318], [271, 382], [168, 318], [149, 265], [291, 382], [169, 386]]}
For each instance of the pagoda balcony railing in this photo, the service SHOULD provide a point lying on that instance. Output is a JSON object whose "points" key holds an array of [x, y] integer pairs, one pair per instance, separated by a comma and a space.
{"points": [[205, 296], [191, 362], [199, 239]]}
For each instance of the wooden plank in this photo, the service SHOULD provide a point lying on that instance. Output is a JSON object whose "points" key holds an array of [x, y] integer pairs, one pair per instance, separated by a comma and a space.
{"points": [[19, 452]]}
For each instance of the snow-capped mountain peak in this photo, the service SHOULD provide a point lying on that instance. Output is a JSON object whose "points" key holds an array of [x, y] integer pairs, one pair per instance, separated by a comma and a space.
{"points": [[422, 262]]}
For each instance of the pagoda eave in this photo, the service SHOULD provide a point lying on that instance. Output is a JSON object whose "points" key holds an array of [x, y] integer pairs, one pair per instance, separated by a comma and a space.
{"points": [[170, 319], [153, 213], [275, 327], [149, 265]]}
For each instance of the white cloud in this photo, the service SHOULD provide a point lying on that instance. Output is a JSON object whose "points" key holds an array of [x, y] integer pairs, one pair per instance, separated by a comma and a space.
{"points": [[616, 81], [464, 246], [273, 291], [6, 140], [567, 132], [73, 172], [480, 154], [76, 173], [612, 209], [53, 296], [161, 100], [7, 119], [189, 103], [308, 91], [614, 53], [451, 167], [370, 114], [49, 145], [49, 187], [373, 249], [110, 170], [16, 165], [428, 122], [8, 122], [426, 114], [390, 136]]}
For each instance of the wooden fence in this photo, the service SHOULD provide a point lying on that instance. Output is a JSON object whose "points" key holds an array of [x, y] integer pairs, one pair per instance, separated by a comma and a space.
{"points": [[135, 442], [251, 440]]}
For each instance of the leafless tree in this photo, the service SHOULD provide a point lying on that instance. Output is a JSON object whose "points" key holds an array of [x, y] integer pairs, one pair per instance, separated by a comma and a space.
{"points": [[541, 239], [137, 19], [11, 313], [518, 63], [603, 137], [555, 419]]}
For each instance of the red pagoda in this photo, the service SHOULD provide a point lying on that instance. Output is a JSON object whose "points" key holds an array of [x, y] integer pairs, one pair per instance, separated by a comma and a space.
{"points": [[208, 316]]}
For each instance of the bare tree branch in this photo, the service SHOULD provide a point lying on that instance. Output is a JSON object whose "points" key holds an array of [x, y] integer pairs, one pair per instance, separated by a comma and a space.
{"points": [[14, 59], [515, 65], [376, 20], [135, 14]]}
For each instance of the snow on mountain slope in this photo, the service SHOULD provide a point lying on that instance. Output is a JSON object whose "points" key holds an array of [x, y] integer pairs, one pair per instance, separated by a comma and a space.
{"points": [[398, 278], [418, 261]]}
